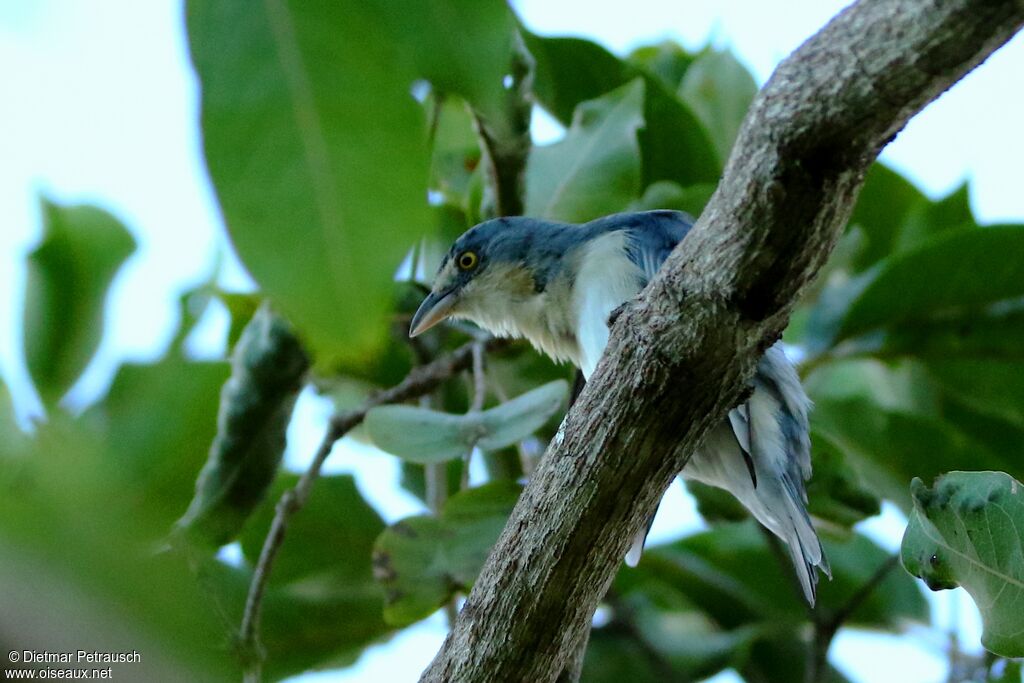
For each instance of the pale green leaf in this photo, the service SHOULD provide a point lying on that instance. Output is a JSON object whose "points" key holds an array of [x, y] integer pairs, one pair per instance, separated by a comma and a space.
{"points": [[516, 419], [422, 435], [968, 530], [595, 170], [425, 436]]}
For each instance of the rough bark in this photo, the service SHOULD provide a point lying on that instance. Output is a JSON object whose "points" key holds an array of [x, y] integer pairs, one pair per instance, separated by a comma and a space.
{"points": [[680, 355]]}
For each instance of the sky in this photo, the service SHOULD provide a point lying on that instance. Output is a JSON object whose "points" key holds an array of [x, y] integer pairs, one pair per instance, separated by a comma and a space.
{"points": [[99, 105]]}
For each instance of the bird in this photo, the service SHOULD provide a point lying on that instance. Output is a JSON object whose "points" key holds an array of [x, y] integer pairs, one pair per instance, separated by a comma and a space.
{"points": [[556, 284]]}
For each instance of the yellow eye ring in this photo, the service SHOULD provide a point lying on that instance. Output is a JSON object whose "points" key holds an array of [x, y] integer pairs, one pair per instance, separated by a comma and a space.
{"points": [[468, 260]]}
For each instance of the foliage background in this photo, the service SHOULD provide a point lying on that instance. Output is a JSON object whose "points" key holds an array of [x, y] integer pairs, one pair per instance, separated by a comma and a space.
{"points": [[139, 159]]}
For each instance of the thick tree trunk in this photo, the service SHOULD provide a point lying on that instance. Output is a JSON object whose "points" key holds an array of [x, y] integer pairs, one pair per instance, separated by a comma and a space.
{"points": [[679, 356]]}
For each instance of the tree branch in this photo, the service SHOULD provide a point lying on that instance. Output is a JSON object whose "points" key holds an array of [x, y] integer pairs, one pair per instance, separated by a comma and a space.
{"points": [[421, 380], [680, 355], [505, 136]]}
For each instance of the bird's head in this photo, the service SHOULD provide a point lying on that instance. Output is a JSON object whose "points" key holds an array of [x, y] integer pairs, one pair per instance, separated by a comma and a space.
{"points": [[489, 270]]}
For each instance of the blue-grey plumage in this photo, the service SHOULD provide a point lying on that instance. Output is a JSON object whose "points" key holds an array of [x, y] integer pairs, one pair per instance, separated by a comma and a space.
{"points": [[556, 284]]}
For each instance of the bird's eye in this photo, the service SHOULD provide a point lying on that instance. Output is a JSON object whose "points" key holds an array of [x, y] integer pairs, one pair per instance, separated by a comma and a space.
{"points": [[468, 260]]}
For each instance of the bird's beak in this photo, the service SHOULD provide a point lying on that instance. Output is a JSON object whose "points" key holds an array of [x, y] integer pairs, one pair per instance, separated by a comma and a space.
{"points": [[435, 308]]}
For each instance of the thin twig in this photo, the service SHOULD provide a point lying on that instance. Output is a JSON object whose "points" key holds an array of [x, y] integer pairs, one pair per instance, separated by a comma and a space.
{"points": [[479, 394], [825, 629], [479, 378], [420, 380]]}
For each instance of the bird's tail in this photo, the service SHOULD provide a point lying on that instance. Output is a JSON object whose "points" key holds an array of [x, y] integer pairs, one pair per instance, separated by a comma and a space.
{"points": [[762, 456], [779, 444]]}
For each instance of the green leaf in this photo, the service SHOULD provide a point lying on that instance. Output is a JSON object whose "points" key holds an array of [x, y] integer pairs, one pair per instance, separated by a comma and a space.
{"points": [[68, 275], [595, 170], [423, 561], [321, 621], [317, 217], [731, 573], [12, 439], [420, 435], [157, 423], [927, 219], [456, 150], [300, 102], [473, 66], [570, 71], [993, 386], [256, 405], [667, 60], [836, 493], [673, 143], [968, 530], [719, 91], [938, 279], [883, 204], [889, 447], [334, 533], [996, 335], [666, 194]]}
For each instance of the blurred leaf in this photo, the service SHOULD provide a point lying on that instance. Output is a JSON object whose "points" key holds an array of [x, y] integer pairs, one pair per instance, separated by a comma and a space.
{"points": [[422, 561], [81, 572], [326, 93], [12, 439], [882, 207], [665, 194], [653, 616], [325, 88], [782, 656], [323, 605], [413, 477], [456, 152], [157, 423], [425, 436], [595, 170], [941, 276], [836, 493], [715, 504], [334, 533], [255, 407], [994, 335], [936, 282], [667, 60], [927, 219], [993, 386], [968, 530], [719, 91], [319, 622], [68, 275], [473, 66], [570, 71], [673, 143], [888, 448], [241, 308], [730, 573]]}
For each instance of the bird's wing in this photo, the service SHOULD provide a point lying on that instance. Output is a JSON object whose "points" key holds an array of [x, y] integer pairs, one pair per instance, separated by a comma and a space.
{"points": [[606, 279], [652, 236], [615, 266]]}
